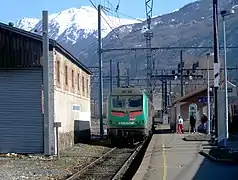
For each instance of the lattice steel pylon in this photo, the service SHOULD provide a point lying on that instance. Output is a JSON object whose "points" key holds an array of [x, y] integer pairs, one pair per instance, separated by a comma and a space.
{"points": [[149, 8], [148, 35]]}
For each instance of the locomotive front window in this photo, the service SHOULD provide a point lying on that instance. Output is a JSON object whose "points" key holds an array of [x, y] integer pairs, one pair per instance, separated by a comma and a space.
{"points": [[127, 102], [118, 102], [135, 102]]}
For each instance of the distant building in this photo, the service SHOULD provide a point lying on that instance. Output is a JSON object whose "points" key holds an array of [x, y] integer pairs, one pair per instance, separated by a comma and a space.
{"points": [[23, 129], [195, 84], [198, 97]]}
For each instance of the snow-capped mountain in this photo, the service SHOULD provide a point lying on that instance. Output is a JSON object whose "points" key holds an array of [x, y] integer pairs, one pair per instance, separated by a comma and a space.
{"points": [[26, 23], [73, 24], [189, 26]]}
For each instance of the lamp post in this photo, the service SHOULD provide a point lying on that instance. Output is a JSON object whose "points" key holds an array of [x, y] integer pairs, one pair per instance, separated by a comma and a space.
{"points": [[225, 13], [216, 63], [208, 94]]}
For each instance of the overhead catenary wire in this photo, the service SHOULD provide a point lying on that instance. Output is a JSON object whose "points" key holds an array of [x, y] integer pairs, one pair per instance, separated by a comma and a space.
{"points": [[95, 42], [131, 17], [90, 45], [113, 31], [118, 5], [110, 26], [106, 11], [93, 4], [85, 49], [123, 14], [116, 9], [105, 8]]}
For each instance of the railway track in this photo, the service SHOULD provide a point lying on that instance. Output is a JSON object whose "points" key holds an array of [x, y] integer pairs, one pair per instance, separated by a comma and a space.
{"points": [[111, 166]]}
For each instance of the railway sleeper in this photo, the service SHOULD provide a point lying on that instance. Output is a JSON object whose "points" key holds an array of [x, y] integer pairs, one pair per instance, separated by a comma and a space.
{"points": [[108, 166], [99, 173], [111, 164], [105, 176], [100, 169]]}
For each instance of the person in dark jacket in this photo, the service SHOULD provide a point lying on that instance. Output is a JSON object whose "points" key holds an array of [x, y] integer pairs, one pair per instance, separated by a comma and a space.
{"points": [[204, 119], [192, 123], [202, 127]]}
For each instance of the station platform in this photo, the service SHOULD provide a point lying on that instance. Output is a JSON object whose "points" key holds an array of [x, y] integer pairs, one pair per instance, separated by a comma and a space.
{"points": [[169, 157]]}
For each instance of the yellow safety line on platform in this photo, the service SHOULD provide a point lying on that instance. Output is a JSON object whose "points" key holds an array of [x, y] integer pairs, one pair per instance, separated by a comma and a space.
{"points": [[165, 164], [164, 160]]}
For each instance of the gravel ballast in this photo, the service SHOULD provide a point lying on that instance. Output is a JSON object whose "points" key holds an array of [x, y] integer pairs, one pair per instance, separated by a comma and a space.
{"points": [[36, 167]]}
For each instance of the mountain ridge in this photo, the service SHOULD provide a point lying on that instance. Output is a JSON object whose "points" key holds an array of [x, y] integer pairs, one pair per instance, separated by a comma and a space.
{"points": [[74, 25], [189, 26]]}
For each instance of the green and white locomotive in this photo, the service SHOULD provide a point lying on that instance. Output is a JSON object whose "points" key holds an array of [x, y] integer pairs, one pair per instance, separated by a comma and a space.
{"points": [[129, 115]]}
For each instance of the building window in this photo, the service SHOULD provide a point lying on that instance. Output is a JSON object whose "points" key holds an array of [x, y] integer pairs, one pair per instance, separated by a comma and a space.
{"points": [[87, 87], [72, 78], [66, 75], [78, 82], [83, 86], [58, 71]]}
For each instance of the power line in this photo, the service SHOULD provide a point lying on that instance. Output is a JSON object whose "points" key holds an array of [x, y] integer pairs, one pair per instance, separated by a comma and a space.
{"points": [[112, 30], [115, 9], [105, 8], [108, 23], [93, 4], [123, 14], [165, 48], [118, 4], [126, 15], [95, 42], [85, 49], [131, 17]]}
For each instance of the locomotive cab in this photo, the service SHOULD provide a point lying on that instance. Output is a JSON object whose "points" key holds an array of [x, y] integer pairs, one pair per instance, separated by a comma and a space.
{"points": [[128, 114]]}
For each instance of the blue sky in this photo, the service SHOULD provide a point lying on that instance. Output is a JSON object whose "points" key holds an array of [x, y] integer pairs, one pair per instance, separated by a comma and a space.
{"points": [[12, 10]]}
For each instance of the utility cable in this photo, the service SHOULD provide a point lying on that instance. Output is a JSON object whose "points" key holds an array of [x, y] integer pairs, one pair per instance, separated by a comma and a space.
{"points": [[113, 31], [95, 42], [118, 4], [105, 19], [93, 4], [119, 12]]}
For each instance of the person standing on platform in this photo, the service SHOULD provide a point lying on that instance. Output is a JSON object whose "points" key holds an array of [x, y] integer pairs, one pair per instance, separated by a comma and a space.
{"points": [[192, 123], [202, 126], [180, 125]]}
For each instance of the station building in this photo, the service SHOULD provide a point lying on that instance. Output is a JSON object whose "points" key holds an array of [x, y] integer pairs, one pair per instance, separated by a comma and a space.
{"points": [[23, 128], [199, 97]]}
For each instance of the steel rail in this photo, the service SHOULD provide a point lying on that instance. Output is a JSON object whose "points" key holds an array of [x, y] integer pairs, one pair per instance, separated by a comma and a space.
{"points": [[125, 166], [76, 175]]}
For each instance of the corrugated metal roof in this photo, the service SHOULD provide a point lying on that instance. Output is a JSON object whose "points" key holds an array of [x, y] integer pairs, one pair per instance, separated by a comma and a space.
{"points": [[51, 42]]}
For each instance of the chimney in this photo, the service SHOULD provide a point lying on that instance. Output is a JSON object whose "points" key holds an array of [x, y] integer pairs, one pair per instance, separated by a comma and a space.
{"points": [[11, 24]]}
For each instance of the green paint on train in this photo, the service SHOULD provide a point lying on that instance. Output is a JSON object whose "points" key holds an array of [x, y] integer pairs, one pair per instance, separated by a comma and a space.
{"points": [[129, 110]]}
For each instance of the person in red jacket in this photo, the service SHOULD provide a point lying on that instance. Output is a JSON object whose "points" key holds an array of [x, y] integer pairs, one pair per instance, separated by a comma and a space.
{"points": [[180, 125]]}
